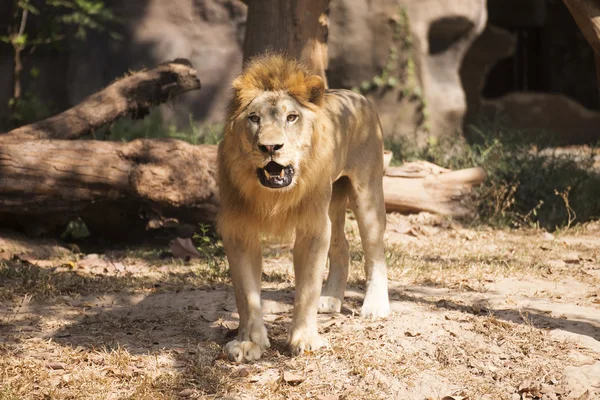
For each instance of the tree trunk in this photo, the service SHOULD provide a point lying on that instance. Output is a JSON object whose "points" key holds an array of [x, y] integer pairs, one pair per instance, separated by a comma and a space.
{"points": [[586, 14], [131, 95], [158, 180], [295, 27]]}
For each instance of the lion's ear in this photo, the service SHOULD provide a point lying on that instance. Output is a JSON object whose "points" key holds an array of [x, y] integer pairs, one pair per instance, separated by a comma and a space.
{"points": [[315, 88]]}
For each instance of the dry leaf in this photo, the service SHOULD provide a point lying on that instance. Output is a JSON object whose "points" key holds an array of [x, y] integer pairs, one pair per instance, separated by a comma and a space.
{"points": [[330, 323], [242, 372], [186, 393], [184, 248], [530, 388], [293, 378], [571, 258], [96, 359], [55, 365], [585, 396]]}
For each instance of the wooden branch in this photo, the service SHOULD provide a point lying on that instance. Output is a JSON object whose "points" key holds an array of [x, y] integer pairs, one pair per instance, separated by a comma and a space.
{"points": [[168, 178], [422, 186], [131, 95], [586, 14]]}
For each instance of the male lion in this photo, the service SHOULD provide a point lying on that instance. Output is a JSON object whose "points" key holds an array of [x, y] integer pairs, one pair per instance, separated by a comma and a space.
{"points": [[292, 156]]}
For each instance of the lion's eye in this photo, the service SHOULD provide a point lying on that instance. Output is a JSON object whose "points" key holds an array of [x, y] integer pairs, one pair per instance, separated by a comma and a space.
{"points": [[254, 118], [292, 117]]}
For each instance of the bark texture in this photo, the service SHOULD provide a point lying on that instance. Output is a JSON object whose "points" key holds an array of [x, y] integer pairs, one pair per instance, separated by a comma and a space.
{"points": [[296, 27], [61, 176], [422, 186]]}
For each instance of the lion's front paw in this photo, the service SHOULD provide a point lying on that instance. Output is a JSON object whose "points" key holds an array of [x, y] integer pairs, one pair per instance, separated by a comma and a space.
{"points": [[376, 305], [249, 345], [243, 351], [301, 341], [330, 304]]}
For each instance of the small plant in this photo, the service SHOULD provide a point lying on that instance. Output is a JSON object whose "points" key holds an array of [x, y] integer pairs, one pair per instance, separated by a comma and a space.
{"points": [[571, 214], [401, 42], [46, 23], [399, 70], [211, 247]]}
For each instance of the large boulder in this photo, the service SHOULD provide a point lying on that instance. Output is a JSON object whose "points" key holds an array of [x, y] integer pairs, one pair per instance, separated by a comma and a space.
{"points": [[544, 118]]}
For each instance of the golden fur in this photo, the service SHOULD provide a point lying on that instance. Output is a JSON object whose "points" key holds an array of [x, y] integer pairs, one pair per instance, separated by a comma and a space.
{"points": [[281, 119], [275, 72], [247, 203]]}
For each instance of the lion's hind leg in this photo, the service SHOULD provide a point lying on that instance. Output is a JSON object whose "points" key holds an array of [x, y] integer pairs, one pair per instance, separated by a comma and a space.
{"points": [[369, 207], [332, 295]]}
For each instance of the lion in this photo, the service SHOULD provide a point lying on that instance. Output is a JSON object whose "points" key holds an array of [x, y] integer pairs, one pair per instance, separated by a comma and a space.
{"points": [[293, 157]]}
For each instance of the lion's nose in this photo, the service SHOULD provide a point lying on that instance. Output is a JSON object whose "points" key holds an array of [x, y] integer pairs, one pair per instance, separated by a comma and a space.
{"points": [[269, 148]]}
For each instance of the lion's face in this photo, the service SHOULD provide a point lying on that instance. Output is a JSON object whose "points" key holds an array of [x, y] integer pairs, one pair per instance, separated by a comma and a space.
{"points": [[278, 135]]}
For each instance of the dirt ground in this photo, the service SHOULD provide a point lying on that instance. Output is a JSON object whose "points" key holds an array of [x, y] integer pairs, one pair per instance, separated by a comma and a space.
{"points": [[477, 313]]}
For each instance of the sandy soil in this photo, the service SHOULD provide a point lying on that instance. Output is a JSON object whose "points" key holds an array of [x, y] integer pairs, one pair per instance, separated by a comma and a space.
{"points": [[477, 313]]}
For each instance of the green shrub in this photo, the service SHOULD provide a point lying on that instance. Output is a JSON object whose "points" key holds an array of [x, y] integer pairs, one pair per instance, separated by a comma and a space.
{"points": [[153, 127], [524, 187]]}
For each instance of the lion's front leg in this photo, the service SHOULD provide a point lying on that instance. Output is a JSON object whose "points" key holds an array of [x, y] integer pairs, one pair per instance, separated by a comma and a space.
{"points": [[310, 255], [245, 265]]}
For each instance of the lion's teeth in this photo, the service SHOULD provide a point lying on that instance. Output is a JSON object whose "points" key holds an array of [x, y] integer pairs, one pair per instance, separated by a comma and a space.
{"points": [[281, 174], [267, 174]]}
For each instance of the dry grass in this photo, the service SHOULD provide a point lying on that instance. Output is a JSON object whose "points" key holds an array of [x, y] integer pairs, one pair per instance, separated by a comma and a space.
{"points": [[138, 325]]}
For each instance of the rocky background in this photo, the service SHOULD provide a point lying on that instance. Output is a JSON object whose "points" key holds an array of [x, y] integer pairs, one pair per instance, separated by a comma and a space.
{"points": [[430, 66]]}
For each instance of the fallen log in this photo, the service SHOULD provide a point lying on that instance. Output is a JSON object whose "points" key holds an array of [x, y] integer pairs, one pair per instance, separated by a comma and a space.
{"points": [[131, 95], [421, 186], [153, 181]]}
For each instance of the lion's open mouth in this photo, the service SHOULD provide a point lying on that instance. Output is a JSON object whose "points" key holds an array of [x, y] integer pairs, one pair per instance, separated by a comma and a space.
{"points": [[275, 176]]}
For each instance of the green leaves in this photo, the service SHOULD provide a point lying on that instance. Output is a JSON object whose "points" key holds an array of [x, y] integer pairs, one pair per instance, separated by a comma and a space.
{"points": [[19, 40], [84, 15], [56, 24], [26, 5]]}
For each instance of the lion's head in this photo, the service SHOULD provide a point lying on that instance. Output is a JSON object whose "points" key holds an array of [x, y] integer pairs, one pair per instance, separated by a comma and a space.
{"points": [[273, 153], [273, 111]]}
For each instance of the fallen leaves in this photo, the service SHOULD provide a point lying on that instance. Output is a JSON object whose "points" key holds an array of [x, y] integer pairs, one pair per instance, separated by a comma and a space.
{"points": [[292, 378], [184, 248], [56, 365], [186, 393]]}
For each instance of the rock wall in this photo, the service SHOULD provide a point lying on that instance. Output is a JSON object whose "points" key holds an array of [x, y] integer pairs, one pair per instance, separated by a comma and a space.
{"points": [[423, 63], [429, 100]]}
